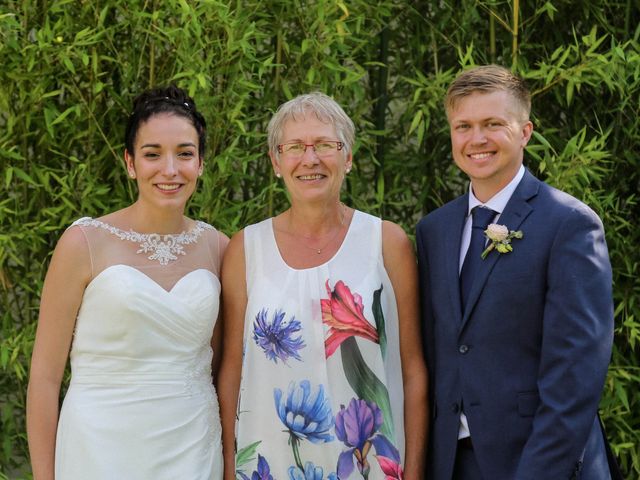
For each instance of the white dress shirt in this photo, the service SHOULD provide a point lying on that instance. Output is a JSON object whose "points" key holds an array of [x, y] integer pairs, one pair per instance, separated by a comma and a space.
{"points": [[497, 203]]}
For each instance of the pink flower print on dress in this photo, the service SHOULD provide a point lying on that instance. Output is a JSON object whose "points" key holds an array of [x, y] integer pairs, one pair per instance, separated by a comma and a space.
{"points": [[343, 313], [391, 468]]}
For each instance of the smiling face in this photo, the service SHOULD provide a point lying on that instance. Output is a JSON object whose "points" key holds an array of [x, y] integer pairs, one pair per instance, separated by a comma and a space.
{"points": [[310, 178], [488, 134], [165, 161]]}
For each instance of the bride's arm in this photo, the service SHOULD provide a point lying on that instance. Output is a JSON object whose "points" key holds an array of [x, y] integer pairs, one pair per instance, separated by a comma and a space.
{"points": [[66, 279], [234, 304]]}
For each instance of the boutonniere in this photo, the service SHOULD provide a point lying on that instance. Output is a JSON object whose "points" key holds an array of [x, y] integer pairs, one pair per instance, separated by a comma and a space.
{"points": [[500, 238]]}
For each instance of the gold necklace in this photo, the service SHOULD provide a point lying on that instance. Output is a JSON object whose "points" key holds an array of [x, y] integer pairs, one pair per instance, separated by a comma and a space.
{"points": [[342, 217]]}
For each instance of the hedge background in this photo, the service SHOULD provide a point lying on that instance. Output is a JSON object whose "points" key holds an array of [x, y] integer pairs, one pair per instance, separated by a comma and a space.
{"points": [[70, 68]]}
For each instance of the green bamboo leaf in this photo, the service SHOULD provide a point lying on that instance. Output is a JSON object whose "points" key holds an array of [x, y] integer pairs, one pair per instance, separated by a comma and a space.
{"points": [[8, 175], [52, 93], [21, 174], [4, 356], [64, 115], [621, 395], [202, 80], [246, 454], [417, 118], [378, 315], [69, 64], [365, 383], [305, 45], [50, 115], [11, 154]]}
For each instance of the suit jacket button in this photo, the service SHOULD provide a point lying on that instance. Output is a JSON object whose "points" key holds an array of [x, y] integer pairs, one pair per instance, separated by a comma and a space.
{"points": [[463, 349], [455, 408]]}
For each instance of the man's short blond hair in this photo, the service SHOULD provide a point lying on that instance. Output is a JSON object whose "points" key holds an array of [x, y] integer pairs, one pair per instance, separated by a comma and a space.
{"points": [[487, 79]]}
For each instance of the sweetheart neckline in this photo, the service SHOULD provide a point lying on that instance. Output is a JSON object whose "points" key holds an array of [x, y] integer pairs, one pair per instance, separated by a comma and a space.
{"points": [[129, 267]]}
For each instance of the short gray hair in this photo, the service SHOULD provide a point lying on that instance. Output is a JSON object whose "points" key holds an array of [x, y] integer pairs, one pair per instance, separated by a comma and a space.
{"points": [[325, 108]]}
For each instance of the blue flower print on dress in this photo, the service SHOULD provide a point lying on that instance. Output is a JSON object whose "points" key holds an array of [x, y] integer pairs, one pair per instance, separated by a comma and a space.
{"points": [[262, 473], [357, 426], [311, 472], [306, 414], [276, 337]]}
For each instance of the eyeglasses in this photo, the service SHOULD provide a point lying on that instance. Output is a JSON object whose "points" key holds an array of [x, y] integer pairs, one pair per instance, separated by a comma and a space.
{"points": [[324, 148]]}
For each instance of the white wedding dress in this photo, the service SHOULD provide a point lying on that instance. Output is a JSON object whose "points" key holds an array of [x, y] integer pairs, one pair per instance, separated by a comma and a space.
{"points": [[141, 404]]}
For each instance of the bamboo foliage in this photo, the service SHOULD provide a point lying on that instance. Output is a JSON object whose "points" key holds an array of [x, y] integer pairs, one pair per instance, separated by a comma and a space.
{"points": [[69, 70]]}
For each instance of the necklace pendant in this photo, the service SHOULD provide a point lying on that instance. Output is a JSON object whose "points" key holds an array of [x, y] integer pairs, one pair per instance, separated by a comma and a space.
{"points": [[319, 251]]}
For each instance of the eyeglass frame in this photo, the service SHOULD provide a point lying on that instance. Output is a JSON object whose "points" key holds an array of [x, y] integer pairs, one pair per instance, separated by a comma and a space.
{"points": [[339, 146]]}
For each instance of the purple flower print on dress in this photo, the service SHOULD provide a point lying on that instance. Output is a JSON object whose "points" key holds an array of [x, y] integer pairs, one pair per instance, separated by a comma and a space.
{"points": [[262, 473], [306, 414], [311, 472], [357, 426], [276, 337]]}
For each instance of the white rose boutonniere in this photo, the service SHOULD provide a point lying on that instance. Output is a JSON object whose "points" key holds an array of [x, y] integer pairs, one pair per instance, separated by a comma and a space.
{"points": [[500, 238]]}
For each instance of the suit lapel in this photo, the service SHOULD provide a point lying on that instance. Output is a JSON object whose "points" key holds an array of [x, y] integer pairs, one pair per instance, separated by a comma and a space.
{"points": [[516, 210], [458, 217]]}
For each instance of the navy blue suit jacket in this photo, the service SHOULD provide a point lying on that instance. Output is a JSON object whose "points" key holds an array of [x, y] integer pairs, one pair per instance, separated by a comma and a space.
{"points": [[528, 357]]}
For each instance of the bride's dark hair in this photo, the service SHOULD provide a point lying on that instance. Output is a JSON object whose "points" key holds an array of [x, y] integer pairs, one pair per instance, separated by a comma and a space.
{"points": [[171, 100]]}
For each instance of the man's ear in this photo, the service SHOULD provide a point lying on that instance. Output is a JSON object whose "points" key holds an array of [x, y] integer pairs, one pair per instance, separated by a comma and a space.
{"points": [[527, 131]]}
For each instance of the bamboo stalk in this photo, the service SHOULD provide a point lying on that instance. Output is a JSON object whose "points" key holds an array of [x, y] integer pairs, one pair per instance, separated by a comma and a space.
{"points": [[434, 48], [270, 195], [514, 33], [278, 58], [492, 38], [152, 63], [382, 100], [627, 21]]}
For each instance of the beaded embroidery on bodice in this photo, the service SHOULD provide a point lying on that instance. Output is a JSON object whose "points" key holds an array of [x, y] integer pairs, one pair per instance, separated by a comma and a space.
{"points": [[165, 258], [163, 248]]}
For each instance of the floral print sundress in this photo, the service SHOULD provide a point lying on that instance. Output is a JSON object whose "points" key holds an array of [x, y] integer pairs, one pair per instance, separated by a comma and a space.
{"points": [[321, 394]]}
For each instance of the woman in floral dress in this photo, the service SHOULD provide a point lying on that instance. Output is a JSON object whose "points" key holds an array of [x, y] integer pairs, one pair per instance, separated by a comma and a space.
{"points": [[322, 375]]}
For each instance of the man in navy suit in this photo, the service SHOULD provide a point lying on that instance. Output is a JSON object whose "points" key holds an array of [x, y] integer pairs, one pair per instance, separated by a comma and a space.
{"points": [[518, 316]]}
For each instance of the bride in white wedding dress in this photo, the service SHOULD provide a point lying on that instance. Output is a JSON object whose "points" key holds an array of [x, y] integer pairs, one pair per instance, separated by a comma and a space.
{"points": [[134, 297]]}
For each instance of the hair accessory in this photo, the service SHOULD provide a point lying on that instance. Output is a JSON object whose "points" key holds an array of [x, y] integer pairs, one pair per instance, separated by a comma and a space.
{"points": [[187, 105]]}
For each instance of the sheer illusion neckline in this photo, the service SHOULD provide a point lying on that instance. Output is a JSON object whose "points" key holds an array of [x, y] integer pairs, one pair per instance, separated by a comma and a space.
{"points": [[194, 232], [163, 247]]}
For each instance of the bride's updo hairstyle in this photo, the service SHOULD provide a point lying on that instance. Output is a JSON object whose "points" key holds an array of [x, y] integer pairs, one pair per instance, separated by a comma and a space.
{"points": [[168, 100]]}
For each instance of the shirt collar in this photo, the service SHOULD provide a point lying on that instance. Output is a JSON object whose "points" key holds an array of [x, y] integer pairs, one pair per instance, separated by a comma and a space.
{"points": [[499, 201]]}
